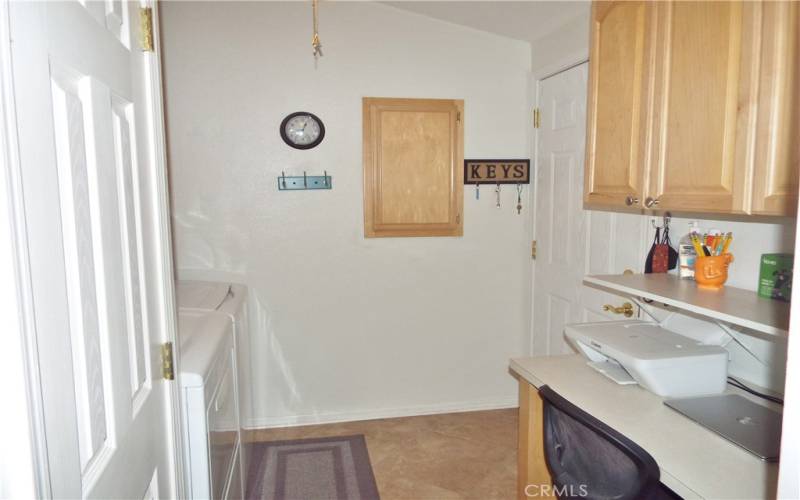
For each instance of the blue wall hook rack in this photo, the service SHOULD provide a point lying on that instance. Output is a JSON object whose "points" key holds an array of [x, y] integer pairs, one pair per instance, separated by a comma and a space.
{"points": [[304, 182]]}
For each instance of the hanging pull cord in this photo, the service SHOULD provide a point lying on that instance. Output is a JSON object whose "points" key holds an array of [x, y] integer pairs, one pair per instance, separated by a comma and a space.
{"points": [[315, 43]]}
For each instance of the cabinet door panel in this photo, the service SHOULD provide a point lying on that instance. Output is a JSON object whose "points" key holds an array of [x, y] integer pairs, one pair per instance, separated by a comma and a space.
{"points": [[697, 98], [415, 181], [617, 102], [413, 155], [777, 156]]}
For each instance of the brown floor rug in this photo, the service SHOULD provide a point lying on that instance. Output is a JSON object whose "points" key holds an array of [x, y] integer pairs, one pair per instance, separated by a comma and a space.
{"points": [[334, 468]]}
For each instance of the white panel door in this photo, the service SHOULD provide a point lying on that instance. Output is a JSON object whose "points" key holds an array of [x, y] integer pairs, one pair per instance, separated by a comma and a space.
{"points": [[93, 180], [559, 226], [571, 242]]}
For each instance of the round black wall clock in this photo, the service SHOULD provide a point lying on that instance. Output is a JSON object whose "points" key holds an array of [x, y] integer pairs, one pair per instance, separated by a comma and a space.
{"points": [[302, 130]]}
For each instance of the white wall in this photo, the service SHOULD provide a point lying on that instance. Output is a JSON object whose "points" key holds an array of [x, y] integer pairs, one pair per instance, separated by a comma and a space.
{"points": [[750, 240], [567, 43], [349, 327]]}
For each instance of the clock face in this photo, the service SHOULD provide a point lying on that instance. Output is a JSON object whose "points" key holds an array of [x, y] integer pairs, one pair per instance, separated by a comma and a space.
{"points": [[302, 130]]}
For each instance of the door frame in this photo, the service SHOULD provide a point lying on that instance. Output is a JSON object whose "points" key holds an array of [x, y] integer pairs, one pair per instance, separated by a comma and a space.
{"points": [[788, 482], [535, 85], [36, 438], [167, 273], [12, 198]]}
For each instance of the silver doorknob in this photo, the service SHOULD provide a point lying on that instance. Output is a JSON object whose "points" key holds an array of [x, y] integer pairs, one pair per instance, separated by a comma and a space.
{"points": [[650, 202], [631, 200]]}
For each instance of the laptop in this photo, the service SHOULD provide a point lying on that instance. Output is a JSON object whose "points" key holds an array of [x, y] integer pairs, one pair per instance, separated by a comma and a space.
{"points": [[749, 425]]}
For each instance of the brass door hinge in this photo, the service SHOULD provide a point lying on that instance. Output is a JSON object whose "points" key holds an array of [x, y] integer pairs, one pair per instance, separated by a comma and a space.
{"points": [[458, 117], [146, 29], [537, 118], [167, 366], [533, 250]]}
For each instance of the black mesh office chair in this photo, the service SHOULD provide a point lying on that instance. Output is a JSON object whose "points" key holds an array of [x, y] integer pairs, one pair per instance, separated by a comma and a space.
{"points": [[588, 459]]}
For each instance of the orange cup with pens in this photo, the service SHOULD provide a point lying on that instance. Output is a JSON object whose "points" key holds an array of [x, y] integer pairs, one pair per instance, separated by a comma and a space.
{"points": [[711, 264], [712, 272]]}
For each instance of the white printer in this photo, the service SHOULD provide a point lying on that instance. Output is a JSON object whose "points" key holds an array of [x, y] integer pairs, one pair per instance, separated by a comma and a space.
{"points": [[644, 353]]}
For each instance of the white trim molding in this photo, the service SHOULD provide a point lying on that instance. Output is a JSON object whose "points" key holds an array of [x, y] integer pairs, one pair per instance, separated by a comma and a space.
{"points": [[352, 416], [166, 271], [568, 61]]}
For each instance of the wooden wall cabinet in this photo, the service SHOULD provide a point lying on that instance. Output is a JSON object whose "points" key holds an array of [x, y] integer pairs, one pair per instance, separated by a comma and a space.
{"points": [[777, 137], [621, 39], [701, 59], [714, 103], [413, 160]]}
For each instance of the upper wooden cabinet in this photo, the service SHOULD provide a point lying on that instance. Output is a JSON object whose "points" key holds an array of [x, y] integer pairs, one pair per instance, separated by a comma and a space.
{"points": [[621, 40], [413, 156], [777, 146], [700, 61], [716, 101]]}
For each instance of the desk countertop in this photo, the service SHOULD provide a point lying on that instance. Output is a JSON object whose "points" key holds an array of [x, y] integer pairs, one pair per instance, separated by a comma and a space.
{"points": [[694, 462]]}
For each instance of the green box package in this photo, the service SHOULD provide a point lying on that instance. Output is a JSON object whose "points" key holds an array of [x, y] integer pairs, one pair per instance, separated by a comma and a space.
{"points": [[775, 278]]}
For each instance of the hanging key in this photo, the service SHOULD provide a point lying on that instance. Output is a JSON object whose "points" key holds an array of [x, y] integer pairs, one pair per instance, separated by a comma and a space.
{"points": [[497, 193], [519, 199], [477, 191]]}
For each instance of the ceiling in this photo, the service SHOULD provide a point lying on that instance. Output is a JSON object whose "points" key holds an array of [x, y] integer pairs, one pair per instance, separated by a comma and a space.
{"points": [[522, 20]]}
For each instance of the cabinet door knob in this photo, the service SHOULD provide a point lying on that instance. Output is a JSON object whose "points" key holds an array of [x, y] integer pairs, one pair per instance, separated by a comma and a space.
{"points": [[650, 202], [631, 200]]}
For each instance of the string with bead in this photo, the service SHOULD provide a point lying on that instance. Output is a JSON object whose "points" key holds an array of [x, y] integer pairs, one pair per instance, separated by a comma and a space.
{"points": [[315, 43]]}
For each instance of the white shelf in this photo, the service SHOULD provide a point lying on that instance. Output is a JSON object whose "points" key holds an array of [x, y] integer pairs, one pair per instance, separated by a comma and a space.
{"points": [[731, 305]]}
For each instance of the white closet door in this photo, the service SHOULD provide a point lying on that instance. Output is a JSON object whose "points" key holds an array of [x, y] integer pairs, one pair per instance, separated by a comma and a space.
{"points": [[93, 177], [572, 242]]}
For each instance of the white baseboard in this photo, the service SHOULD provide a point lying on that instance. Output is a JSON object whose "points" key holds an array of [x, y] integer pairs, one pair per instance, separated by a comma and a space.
{"points": [[409, 411]]}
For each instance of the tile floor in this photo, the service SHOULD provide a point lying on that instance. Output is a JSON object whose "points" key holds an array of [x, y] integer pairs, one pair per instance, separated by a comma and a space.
{"points": [[469, 455]]}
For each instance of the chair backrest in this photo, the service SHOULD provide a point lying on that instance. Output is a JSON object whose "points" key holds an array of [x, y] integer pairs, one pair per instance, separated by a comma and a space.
{"points": [[588, 459]]}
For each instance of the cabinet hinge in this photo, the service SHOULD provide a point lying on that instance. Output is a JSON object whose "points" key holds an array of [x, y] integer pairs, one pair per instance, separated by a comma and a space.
{"points": [[167, 366], [533, 250], [458, 117], [537, 118], [146, 28]]}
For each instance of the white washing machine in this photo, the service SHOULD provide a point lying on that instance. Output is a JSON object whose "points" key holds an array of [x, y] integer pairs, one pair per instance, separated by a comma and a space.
{"points": [[229, 299], [210, 410]]}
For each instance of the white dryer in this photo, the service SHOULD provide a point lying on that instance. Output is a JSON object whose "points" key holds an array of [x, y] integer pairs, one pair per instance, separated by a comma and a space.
{"points": [[210, 411], [229, 299]]}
